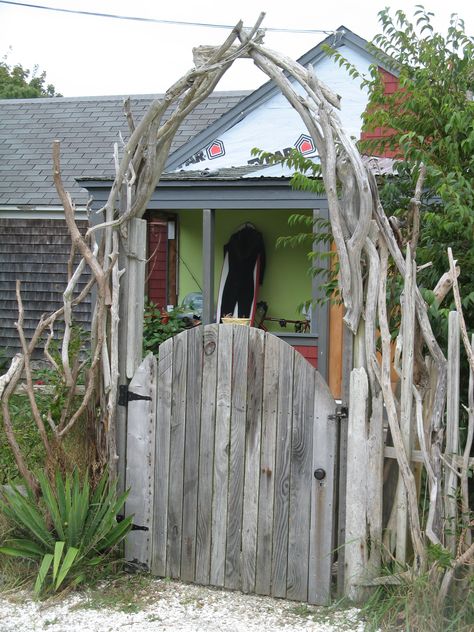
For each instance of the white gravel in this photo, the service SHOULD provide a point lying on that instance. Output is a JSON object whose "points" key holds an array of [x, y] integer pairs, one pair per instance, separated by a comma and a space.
{"points": [[166, 605]]}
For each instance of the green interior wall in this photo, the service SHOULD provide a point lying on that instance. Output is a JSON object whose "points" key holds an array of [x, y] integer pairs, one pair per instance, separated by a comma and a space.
{"points": [[286, 282]]}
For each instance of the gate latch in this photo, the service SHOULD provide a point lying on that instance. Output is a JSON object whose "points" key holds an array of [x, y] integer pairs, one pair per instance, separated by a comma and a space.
{"points": [[341, 413], [126, 396]]}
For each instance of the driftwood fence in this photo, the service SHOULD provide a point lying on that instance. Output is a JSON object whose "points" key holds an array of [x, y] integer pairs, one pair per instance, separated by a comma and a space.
{"points": [[368, 537], [365, 243]]}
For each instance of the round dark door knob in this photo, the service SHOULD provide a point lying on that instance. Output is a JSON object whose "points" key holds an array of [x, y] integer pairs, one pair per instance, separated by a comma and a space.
{"points": [[319, 474]]}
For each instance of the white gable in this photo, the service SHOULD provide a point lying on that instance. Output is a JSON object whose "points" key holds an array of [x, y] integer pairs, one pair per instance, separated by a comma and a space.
{"points": [[275, 126]]}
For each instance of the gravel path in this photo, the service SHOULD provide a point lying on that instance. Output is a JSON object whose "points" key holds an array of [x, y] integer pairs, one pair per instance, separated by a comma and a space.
{"points": [[154, 605]]}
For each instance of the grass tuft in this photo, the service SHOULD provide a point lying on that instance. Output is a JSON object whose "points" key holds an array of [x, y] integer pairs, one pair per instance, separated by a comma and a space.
{"points": [[412, 606]]}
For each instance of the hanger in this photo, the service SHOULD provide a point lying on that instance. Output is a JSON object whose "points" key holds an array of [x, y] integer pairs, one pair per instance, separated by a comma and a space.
{"points": [[245, 225]]}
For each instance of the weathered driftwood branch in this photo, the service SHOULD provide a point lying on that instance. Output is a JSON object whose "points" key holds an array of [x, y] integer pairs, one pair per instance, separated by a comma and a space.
{"points": [[444, 285], [414, 210], [385, 384], [457, 300], [465, 508], [29, 380]]}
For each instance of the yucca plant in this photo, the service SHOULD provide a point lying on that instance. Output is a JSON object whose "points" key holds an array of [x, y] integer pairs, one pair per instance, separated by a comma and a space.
{"points": [[70, 531]]}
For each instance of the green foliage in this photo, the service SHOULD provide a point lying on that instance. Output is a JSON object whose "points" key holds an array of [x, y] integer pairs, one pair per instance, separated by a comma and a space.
{"points": [[71, 531], [17, 82], [26, 435], [316, 232], [158, 326], [52, 398], [413, 605], [307, 175], [431, 121]]}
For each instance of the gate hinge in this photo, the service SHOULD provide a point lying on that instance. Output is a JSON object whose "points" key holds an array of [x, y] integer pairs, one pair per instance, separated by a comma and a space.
{"points": [[126, 396], [134, 527], [341, 413]]}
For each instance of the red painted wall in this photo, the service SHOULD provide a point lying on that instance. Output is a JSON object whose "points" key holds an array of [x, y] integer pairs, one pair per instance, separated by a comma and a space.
{"points": [[157, 262], [390, 87], [310, 353]]}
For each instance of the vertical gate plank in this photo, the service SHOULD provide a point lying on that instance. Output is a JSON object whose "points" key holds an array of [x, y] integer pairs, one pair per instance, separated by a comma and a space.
{"points": [[221, 456], [162, 458], [237, 456], [267, 465], [282, 471], [191, 453], [178, 425], [322, 496], [206, 451], [252, 457], [141, 462], [301, 480]]}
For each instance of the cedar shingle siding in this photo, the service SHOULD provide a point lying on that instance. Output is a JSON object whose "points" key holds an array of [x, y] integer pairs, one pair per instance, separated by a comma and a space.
{"points": [[35, 252]]}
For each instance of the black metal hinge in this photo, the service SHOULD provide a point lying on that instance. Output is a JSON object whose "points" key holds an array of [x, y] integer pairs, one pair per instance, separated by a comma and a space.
{"points": [[126, 396], [134, 527], [341, 413]]}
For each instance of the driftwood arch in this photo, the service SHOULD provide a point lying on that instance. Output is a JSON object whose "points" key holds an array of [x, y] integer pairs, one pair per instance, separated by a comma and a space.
{"points": [[364, 240]]}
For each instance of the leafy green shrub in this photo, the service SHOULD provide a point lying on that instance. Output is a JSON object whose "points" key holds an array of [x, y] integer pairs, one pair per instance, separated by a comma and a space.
{"points": [[158, 326], [26, 434], [70, 532]]}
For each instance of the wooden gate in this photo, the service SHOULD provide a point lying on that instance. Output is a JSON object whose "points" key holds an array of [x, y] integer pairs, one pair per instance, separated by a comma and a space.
{"points": [[231, 464]]}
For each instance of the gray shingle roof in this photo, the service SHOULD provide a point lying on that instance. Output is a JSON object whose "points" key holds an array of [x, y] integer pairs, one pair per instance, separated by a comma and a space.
{"points": [[87, 128]]}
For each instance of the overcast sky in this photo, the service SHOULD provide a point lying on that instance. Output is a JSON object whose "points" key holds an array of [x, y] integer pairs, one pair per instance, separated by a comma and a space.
{"points": [[88, 56]]}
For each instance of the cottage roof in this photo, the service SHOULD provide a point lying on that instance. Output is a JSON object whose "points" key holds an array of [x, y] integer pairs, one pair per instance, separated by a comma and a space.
{"points": [[87, 128]]}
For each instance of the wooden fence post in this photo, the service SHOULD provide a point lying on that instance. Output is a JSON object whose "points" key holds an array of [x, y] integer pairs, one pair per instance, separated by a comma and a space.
{"points": [[132, 259], [452, 429], [140, 471], [355, 551]]}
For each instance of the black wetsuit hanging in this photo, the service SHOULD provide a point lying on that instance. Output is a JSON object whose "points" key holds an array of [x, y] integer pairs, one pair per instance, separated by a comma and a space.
{"points": [[245, 249]]}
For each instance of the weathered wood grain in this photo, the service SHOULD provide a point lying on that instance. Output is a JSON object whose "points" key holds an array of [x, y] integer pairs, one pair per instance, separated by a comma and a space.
{"points": [[282, 472], [407, 334], [140, 471], [322, 495], [452, 427], [206, 454], [237, 457], [301, 479], [162, 458], [221, 456], [267, 465], [356, 516], [177, 438], [236, 503], [256, 351], [136, 265], [191, 453]]}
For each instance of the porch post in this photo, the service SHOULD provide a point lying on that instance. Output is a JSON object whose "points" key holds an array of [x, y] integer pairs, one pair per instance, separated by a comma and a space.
{"points": [[320, 312], [208, 222]]}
